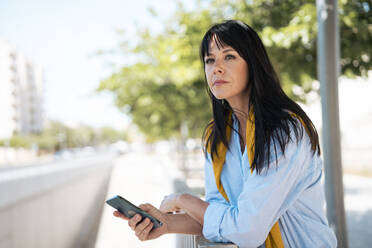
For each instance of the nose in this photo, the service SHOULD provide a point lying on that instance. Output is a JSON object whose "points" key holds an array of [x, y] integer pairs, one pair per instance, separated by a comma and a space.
{"points": [[218, 69]]}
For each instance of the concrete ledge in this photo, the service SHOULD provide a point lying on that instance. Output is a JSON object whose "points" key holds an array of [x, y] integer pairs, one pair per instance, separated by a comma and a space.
{"points": [[19, 183], [53, 205]]}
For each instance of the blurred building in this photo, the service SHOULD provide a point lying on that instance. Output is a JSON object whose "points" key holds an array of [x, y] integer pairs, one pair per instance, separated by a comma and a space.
{"points": [[21, 93]]}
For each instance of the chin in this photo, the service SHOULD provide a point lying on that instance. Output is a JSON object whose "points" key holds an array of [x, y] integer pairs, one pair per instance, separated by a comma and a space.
{"points": [[219, 97], [220, 94]]}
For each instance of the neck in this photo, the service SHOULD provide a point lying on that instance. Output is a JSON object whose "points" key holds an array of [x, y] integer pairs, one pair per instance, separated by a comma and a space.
{"points": [[241, 110], [239, 104]]}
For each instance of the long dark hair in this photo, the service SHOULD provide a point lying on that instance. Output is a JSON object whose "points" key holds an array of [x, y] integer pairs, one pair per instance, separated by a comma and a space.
{"points": [[272, 108]]}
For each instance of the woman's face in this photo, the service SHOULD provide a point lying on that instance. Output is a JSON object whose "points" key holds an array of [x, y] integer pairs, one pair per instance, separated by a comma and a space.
{"points": [[226, 72]]}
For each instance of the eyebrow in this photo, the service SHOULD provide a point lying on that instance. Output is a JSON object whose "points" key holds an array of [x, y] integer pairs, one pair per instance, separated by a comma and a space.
{"points": [[224, 51]]}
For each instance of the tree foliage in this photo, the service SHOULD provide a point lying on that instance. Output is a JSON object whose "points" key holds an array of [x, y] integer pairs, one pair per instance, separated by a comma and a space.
{"points": [[56, 136], [165, 88]]}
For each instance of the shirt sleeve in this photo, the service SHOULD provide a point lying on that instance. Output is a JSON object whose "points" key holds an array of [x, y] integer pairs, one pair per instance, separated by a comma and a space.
{"points": [[264, 198], [212, 195]]}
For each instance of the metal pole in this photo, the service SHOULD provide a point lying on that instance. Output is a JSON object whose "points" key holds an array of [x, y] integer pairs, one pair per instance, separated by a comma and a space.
{"points": [[328, 53]]}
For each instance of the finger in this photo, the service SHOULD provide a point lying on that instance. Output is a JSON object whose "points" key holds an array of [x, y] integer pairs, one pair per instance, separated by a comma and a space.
{"points": [[163, 208], [177, 210], [134, 220], [141, 226], [145, 207], [153, 211], [120, 215], [155, 233], [145, 233], [148, 208]]}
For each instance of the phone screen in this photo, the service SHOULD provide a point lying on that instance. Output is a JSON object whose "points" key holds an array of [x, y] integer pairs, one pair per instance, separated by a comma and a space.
{"points": [[128, 209]]}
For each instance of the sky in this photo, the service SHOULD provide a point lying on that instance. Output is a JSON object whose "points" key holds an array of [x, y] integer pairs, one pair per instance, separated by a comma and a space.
{"points": [[64, 36]]}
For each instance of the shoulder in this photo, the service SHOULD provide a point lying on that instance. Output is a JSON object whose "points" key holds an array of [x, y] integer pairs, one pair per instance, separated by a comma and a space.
{"points": [[296, 128], [291, 142]]}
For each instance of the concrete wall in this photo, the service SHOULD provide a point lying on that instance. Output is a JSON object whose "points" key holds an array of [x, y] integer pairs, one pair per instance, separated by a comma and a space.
{"points": [[53, 205]]}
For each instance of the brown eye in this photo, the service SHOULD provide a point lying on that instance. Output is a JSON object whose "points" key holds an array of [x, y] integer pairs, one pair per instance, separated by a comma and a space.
{"points": [[229, 56], [208, 61]]}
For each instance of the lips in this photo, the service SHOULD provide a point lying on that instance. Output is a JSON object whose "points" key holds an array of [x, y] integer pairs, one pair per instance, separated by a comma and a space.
{"points": [[219, 82]]}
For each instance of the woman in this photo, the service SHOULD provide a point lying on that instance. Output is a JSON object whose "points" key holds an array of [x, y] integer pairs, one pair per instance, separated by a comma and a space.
{"points": [[262, 170]]}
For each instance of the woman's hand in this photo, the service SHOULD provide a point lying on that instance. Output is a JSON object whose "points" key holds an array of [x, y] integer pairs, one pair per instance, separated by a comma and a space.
{"points": [[169, 203], [143, 230]]}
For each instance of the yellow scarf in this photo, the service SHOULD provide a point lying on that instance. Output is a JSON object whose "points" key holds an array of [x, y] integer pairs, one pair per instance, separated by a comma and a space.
{"points": [[274, 239]]}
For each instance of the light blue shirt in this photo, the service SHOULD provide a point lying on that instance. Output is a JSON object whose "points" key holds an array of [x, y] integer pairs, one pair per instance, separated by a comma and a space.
{"points": [[290, 192]]}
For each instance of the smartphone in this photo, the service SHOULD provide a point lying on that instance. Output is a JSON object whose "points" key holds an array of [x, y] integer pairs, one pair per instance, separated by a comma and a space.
{"points": [[128, 209]]}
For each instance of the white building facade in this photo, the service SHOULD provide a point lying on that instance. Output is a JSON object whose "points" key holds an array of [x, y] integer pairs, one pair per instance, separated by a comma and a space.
{"points": [[21, 93]]}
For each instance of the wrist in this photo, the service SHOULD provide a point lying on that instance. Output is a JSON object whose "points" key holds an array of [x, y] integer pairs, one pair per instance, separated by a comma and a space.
{"points": [[180, 200], [169, 219]]}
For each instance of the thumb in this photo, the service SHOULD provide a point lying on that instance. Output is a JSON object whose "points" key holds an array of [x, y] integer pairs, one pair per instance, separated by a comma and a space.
{"points": [[151, 210], [146, 207]]}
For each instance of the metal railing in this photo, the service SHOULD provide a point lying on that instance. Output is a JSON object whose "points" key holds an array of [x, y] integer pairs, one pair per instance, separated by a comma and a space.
{"points": [[201, 242], [195, 241]]}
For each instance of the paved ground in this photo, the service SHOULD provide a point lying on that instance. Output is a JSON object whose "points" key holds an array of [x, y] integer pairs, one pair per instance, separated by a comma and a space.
{"points": [[147, 178], [358, 205], [140, 178]]}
